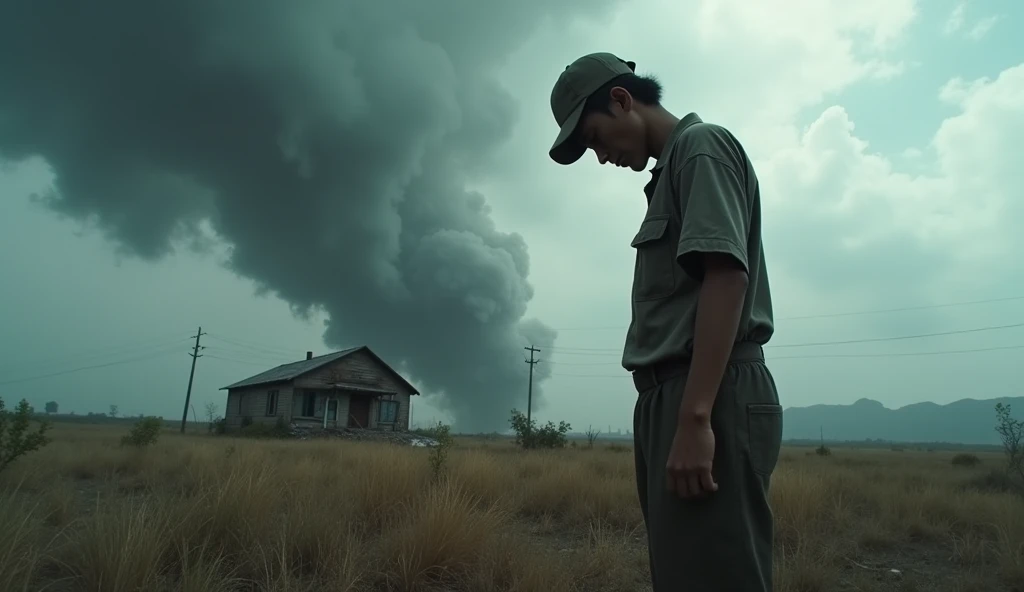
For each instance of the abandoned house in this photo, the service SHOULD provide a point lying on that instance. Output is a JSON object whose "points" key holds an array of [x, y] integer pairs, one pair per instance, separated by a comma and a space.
{"points": [[350, 388]]}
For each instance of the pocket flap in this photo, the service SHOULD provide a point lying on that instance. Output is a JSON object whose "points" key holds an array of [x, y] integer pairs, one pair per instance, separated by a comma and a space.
{"points": [[762, 408], [651, 230]]}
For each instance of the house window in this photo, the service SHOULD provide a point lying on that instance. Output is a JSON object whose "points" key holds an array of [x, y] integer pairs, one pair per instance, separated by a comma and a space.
{"points": [[271, 402], [309, 404], [387, 412]]}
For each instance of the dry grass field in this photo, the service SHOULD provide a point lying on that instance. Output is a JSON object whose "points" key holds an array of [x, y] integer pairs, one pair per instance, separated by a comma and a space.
{"points": [[200, 513]]}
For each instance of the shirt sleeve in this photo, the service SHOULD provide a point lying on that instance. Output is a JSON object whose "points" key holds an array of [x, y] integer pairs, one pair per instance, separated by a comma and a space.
{"points": [[715, 213]]}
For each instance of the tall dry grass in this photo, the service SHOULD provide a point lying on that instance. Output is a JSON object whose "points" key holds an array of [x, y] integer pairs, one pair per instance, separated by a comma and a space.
{"points": [[200, 513]]}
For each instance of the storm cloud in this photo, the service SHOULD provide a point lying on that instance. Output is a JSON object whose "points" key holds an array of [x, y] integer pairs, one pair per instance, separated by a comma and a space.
{"points": [[328, 143]]}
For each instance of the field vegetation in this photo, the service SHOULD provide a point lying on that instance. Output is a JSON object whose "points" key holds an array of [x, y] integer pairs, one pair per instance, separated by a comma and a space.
{"points": [[95, 510]]}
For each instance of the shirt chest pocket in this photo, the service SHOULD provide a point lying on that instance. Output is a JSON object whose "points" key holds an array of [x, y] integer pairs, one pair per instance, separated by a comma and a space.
{"points": [[656, 272]]}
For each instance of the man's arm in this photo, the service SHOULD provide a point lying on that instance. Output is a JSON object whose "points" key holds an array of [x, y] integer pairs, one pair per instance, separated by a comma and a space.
{"points": [[718, 316], [713, 250]]}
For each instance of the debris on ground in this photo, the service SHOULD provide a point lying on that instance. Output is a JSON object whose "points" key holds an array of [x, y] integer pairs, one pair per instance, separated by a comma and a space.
{"points": [[365, 435]]}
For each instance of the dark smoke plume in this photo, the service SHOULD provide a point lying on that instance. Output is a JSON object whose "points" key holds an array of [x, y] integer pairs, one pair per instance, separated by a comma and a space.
{"points": [[326, 142]]}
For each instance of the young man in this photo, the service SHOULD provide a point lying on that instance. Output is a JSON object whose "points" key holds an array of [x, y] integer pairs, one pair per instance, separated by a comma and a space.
{"points": [[707, 422]]}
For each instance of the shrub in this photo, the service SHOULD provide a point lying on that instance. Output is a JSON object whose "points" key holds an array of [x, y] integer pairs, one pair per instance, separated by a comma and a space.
{"points": [[1011, 432], [528, 435], [219, 426], [15, 438], [439, 453], [145, 432], [823, 450], [966, 459]]}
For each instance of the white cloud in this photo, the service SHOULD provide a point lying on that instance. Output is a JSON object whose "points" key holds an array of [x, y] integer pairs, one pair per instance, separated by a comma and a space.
{"points": [[966, 211], [957, 21]]}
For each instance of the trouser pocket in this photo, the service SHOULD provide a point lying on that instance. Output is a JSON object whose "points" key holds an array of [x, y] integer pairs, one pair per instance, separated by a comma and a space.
{"points": [[764, 434]]}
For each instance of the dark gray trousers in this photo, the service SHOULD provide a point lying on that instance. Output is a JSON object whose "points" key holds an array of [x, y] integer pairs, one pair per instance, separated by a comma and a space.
{"points": [[724, 542]]}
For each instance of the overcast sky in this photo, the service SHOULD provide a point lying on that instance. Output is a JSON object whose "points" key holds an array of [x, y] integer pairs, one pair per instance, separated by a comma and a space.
{"points": [[329, 177]]}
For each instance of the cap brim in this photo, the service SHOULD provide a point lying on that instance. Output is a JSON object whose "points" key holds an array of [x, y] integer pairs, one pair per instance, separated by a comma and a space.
{"points": [[566, 150]]}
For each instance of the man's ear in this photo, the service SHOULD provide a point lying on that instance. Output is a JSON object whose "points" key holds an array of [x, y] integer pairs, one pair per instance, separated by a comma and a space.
{"points": [[622, 99]]}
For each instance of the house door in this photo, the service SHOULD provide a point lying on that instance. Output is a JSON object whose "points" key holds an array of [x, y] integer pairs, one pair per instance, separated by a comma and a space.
{"points": [[332, 409], [359, 412]]}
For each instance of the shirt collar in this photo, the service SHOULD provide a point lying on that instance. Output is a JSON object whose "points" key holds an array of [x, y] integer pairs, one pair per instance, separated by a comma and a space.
{"points": [[681, 126]]}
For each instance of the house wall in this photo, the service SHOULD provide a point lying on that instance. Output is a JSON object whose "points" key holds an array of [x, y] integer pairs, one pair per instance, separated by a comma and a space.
{"points": [[402, 419], [252, 402]]}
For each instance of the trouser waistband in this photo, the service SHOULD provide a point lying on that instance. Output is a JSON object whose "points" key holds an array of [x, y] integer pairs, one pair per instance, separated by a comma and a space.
{"points": [[651, 376]]}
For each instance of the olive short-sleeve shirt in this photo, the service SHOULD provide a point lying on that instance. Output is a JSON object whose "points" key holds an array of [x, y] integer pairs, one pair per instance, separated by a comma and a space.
{"points": [[703, 197]]}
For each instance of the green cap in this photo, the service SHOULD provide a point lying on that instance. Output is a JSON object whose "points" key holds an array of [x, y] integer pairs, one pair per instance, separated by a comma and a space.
{"points": [[579, 80]]}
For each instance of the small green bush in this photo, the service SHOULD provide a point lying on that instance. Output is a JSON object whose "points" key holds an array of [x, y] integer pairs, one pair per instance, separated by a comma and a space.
{"points": [[219, 426], [439, 453], [528, 435], [144, 433], [15, 438]]}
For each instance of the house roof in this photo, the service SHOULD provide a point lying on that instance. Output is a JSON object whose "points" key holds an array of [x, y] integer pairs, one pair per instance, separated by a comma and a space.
{"points": [[288, 372]]}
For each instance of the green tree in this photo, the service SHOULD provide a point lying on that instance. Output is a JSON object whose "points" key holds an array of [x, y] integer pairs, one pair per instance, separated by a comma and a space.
{"points": [[15, 437], [1011, 431]]}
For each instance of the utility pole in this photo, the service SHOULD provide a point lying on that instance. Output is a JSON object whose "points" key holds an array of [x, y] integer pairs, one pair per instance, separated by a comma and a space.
{"points": [[188, 394], [529, 392]]}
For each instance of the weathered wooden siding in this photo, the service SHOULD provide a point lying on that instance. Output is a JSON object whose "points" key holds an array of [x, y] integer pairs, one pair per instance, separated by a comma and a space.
{"points": [[295, 407], [252, 402], [359, 368], [401, 420]]}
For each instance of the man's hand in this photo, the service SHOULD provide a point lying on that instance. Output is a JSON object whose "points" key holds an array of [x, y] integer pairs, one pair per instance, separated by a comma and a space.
{"points": [[690, 460]]}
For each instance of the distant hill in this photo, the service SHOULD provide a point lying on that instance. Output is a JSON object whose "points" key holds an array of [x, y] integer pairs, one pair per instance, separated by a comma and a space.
{"points": [[968, 421]]}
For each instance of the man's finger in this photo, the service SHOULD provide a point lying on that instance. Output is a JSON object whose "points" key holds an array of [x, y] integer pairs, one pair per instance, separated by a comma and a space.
{"points": [[708, 481], [682, 487], [693, 482]]}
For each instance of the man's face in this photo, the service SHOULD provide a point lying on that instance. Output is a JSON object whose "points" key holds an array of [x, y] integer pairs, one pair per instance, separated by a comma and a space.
{"points": [[618, 138]]}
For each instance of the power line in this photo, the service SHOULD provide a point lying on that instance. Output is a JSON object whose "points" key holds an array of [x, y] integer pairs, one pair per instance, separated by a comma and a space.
{"points": [[584, 350], [80, 369], [902, 337], [257, 348], [840, 314], [810, 357], [271, 358], [215, 357], [130, 347], [899, 354]]}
